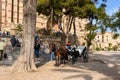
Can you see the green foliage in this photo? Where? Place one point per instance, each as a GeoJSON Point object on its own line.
{"type": "Point", "coordinates": [101, 13]}
{"type": "Point", "coordinates": [102, 49]}
{"type": "Point", "coordinates": [77, 8]}
{"type": "Point", "coordinates": [74, 8]}
{"type": "Point", "coordinates": [19, 30]}
{"type": "Point", "coordinates": [43, 7]}
{"type": "Point", "coordinates": [97, 49]}
{"type": "Point", "coordinates": [44, 31]}
{"type": "Point", "coordinates": [83, 44]}
{"type": "Point", "coordinates": [115, 36]}
{"type": "Point", "coordinates": [103, 24]}
{"type": "Point", "coordinates": [115, 21]}
{"type": "Point", "coordinates": [57, 34]}
{"type": "Point", "coordinates": [19, 27]}
{"type": "Point", "coordinates": [115, 48]}
{"type": "Point", "coordinates": [109, 48]}
{"type": "Point", "coordinates": [39, 31]}
{"type": "Point", "coordinates": [118, 19]}
{"type": "Point", "coordinates": [43, 2]}
{"type": "Point", "coordinates": [80, 8]}
{"type": "Point", "coordinates": [91, 33]}
{"type": "Point", "coordinates": [110, 44]}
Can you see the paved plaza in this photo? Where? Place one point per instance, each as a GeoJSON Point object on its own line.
{"type": "Point", "coordinates": [101, 66]}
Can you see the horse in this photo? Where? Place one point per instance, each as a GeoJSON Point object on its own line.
{"type": "Point", "coordinates": [61, 56]}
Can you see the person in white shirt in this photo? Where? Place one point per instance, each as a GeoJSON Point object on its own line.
{"type": "Point", "coordinates": [2, 48]}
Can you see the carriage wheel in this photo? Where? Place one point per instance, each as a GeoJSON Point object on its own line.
{"type": "Point", "coordinates": [73, 59]}
{"type": "Point", "coordinates": [85, 57]}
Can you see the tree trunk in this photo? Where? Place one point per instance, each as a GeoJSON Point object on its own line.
{"type": "Point", "coordinates": [25, 61]}
{"type": "Point", "coordinates": [69, 28]}
{"type": "Point", "coordinates": [51, 18]}
{"type": "Point", "coordinates": [74, 27]}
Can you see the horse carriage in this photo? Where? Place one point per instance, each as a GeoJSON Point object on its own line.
{"type": "Point", "coordinates": [78, 52]}
{"type": "Point", "coordinates": [62, 55]}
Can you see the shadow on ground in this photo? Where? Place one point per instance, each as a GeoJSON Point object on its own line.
{"type": "Point", "coordinates": [12, 56]}
{"type": "Point", "coordinates": [41, 60]}
{"type": "Point", "coordinates": [108, 66]}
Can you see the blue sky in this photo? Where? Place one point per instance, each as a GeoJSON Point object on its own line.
{"type": "Point", "coordinates": [112, 6]}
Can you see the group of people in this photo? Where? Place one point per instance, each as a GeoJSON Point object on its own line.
{"type": "Point", "coordinates": [37, 47]}
{"type": "Point", "coordinates": [4, 34]}
{"type": "Point", "coordinates": [3, 44]}
{"type": "Point", "coordinates": [52, 48]}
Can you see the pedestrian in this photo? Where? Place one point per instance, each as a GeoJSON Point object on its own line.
{"type": "Point", "coordinates": [68, 45]}
{"type": "Point", "coordinates": [37, 48]}
{"type": "Point", "coordinates": [36, 37]}
{"type": "Point", "coordinates": [2, 48]}
{"type": "Point", "coordinates": [13, 42]}
{"type": "Point", "coordinates": [52, 51]}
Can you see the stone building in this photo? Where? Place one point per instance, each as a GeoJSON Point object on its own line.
{"type": "Point", "coordinates": [107, 41]}
{"type": "Point", "coordinates": [11, 14]}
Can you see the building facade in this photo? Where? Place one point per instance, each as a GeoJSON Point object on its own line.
{"type": "Point", "coordinates": [106, 41]}
{"type": "Point", "coordinates": [11, 14]}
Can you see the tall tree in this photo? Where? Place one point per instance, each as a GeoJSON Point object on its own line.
{"type": "Point", "coordinates": [103, 25]}
{"type": "Point", "coordinates": [114, 24]}
{"type": "Point", "coordinates": [70, 9]}
{"type": "Point", "coordinates": [65, 12]}
{"type": "Point", "coordinates": [99, 16]}
{"type": "Point", "coordinates": [103, 19]}
{"type": "Point", "coordinates": [115, 21]}
{"type": "Point", "coordinates": [91, 35]}
{"type": "Point", "coordinates": [25, 61]}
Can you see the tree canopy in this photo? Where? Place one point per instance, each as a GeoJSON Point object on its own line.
{"type": "Point", "coordinates": [115, 21]}
{"type": "Point", "coordinates": [74, 8]}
